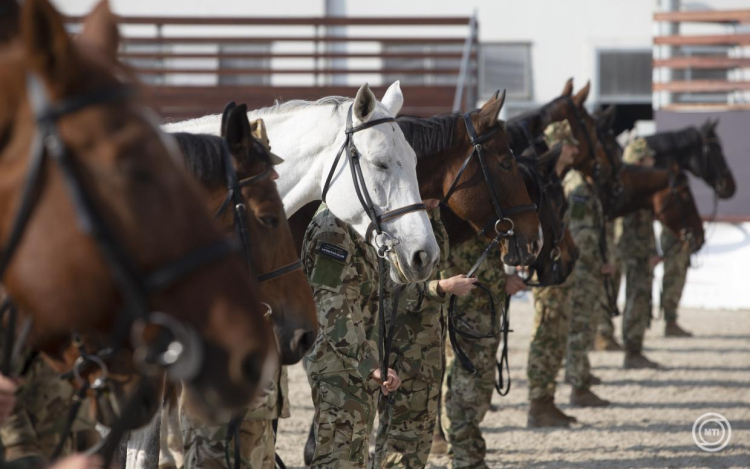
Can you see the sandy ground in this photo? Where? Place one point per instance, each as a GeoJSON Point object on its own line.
{"type": "Point", "coordinates": [649, 424]}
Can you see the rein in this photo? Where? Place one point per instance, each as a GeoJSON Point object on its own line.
{"type": "Point", "coordinates": [180, 355]}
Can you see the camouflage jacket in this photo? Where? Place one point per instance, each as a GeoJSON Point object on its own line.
{"type": "Point", "coordinates": [274, 403]}
{"type": "Point", "coordinates": [418, 335]}
{"type": "Point", "coordinates": [342, 270]}
{"type": "Point", "coordinates": [586, 220]}
{"type": "Point", "coordinates": [635, 236]}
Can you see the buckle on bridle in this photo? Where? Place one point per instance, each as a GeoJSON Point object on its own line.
{"type": "Point", "coordinates": [386, 245]}
{"type": "Point", "coordinates": [510, 232]}
{"type": "Point", "coordinates": [269, 309]}
{"type": "Point", "coordinates": [555, 254]}
{"type": "Point", "coordinates": [84, 360]}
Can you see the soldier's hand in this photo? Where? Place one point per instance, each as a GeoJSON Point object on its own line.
{"type": "Point", "coordinates": [7, 397]}
{"type": "Point", "coordinates": [607, 269]}
{"type": "Point", "coordinates": [514, 284]}
{"type": "Point", "coordinates": [459, 285]}
{"type": "Point", "coordinates": [79, 462]}
{"type": "Point", "coordinates": [391, 384]}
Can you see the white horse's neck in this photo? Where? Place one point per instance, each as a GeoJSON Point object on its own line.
{"type": "Point", "coordinates": [307, 138]}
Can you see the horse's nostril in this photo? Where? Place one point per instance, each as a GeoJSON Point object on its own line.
{"type": "Point", "coordinates": [303, 340]}
{"type": "Point", "coordinates": [420, 259]}
{"type": "Point", "coordinates": [252, 367]}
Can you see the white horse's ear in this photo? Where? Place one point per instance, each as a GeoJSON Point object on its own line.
{"type": "Point", "coordinates": [364, 103]}
{"type": "Point", "coordinates": [393, 98]}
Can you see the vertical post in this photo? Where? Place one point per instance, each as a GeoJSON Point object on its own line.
{"type": "Point", "coordinates": [465, 57]}
{"type": "Point", "coordinates": [336, 8]}
{"type": "Point", "coordinates": [664, 74]}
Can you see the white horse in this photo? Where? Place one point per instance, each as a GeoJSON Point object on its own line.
{"type": "Point", "coordinates": [309, 134]}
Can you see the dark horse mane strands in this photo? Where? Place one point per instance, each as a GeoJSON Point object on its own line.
{"type": "Point", "coordinates": [535, 122]}
{"type": "Point", "coordinates": [667, 143]}
{"type": "Point", "coordinates": [203, 158]}
{"type": "Point", "coordinates": [429, 135]}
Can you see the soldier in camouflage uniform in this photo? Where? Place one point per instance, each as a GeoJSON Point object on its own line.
{"type": "Point", "coordinates": [552, 307]}
{"type": "Point", "coordinates": [466, 397]}
{"type": "Point", "coordinates": [342, 367]}
{"type": "Point", "coordinates": [676, 263]}
{"type": "Point", "coordinates": [637, 246]}
{"type": "Point", "coordinates": [406, 426]}
{"type": "Point", "coordinates": [33, 430]}
{"type": "Point", "coordinates": [586, 282]}
{"type": "Point", "coordinates": [605, 335]}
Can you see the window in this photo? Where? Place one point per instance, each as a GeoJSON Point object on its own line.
{"type": "Point", "coordinates": [245, 63]}
{"type": "Point", "coordinates": [506, 66]}
{"type": "Point", "coordinates": [625, 76]}
{"type": "Point", "coordinates": [426, 63]}
{"type": "Point", "coordinates": [701, 74]}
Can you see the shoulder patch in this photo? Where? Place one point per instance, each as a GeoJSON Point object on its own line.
{"type": "Point", "coordinates": [332, 251]}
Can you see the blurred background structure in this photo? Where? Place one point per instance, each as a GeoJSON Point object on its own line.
{"type": "Point", "coordinates": [666, 64]}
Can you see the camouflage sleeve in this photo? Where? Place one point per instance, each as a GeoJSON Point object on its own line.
{"type": "Point", "coordinates": [637, 239]}
{"type": "Point", "coordinates": [431, 292]}
{"type": "Point", "coordinates": [584, 226]}
{"type": "Point", "coordinates": [330, 261]}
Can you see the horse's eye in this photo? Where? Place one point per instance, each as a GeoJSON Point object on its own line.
{"type": "Point", "coordinates": [506, 165]}
{"type": "Point", "coordinates": [380, 165]}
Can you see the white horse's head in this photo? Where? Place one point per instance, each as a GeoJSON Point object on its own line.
{"type": "Point", "coordinates": [389, 166]}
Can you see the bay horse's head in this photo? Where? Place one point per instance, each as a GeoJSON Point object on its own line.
{"type": "Point", "coordinates": [713, 166]}
{"type": "Point", "coordinates": [592, 160]}
{"type": "Point", "coordinates": [113, 207]}
{"type": "Point", "coordinates": [256, 216]}
{"type": "Point", "coordinates": [676, 209]}
{"type": "Point", "coordinates": [472, 199]}
{"type": "Point", "coordinates": [559, 253]}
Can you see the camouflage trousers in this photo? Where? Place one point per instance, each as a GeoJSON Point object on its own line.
{"type": "Point", "coordinates": [34, 429]}
{"type": "Point", "coordinates": [549, 337]}
{"type": "Point", "coordinates": [209, 446]}
{"type": "Point", "coordinates": [605, 325]}
{"type": "Point", "coordinates": [466, 397]}
{"type": "Point", "coordinates": [345, 410]}
{"type": "Point", "coordinates": [588, 299]}
{"type": "Point", "coordinates": [637, 315]}
{"type": "Point", "coordinates": [676, 264]}
{"type": "Point", "coordinates": [406, 426]}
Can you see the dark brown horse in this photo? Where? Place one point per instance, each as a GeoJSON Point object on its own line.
{"type": "Point", "coordinates": [111, 207]}
{"type": "Point", "coordinates": [665, 191]}
{"type": "Point", "coordinates": [442, 145]}
{"type": "Point", "coordinates": [269, 238]}
{"type": "Point", "coordinates": [698, 150]}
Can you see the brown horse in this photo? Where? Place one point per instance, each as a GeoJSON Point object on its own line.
{"type": "Point", "coordinates": [268, 236]}
{"type": "Point", "coordinates": [665, 192]}
{"type": "Point", "coordinates": [111, 207]}
{"type": "Point", "coordinates": [592, 160]}
{"type": "Point", "coordinates": [442, 145]}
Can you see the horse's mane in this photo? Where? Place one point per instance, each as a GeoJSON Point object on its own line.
{"type": "Point", "coordinates": [676, 141]}
{"type": "Point", "coordinates": [203, 157]}
{"type": "Point", "coordinates": [534, 120]}
{"type": "Point", "coordinates": [280, 107]}
{"type": "Point", "coordinates": [429, 135]}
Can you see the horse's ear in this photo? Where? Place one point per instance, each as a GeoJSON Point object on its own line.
{"type": "Point", "coordinates": [49, 49]}
{"type": "Point", "coordinates": [489, 114]}
{"type": "Point", "coordinates": [393, 98]}
{"type": "Point", "coordinates": [237, 130]}
{"type": "Point", "coordinates": [100, 29]}
{"type": "Point", "coordinates": [582, 95]}
{"type": "Point", "coordinates": [568, 90]}
{"type": "Point", "coordinates": [10, 16]}
{"type": "Point", "coordinates": [364, 103]}
{"type": "Point", "coordinates": [225, 115]}
{"type": "Point", "coordinates": [715, 124]}
{"type": "Point", "coordinates": [608, 116]}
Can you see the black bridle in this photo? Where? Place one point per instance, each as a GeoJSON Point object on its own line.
{"type": "Point", "coordinates": [384, 245]}
{"type": "Point", "coordinates": [234, 197]}
{"type": "Point", "coordinates": [180, 351]}
{"type": "Point", "coordinates": [454, 316]}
